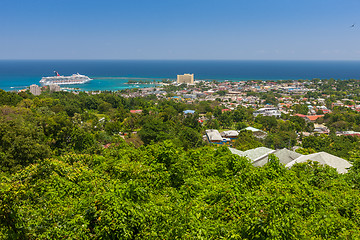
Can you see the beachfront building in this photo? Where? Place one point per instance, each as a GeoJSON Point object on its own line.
{"type": "Point", "coordinates": [185, 78]}
{"type": "Point", "coordinates": [35, 89]}
{"type": "Point", "coordinates": [54, 88]}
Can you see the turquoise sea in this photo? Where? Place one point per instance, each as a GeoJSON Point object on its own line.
{"type": "Point", "coordinates": [113, 74]}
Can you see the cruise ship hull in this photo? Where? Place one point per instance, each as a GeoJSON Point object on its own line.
{"type": "Point", "coordinates": [65, 80]}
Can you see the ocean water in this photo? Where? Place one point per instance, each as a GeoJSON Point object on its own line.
{"type": "Point", "coordinates": [113, 74]}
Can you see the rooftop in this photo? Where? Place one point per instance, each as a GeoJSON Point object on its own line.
{"type": "Point", "coordinates": [213, 135]}
{"type": "Point", "coordinates": [284, 155]}
{"type": "Point", "coordinates": [341, 165]}
{"type": "Point", "coordinates": [252, 154]}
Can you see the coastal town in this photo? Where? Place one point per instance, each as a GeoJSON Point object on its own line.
{"type": "Point", "coordinates": [201, 141]}
{"type": "Point", "coordinates": [180, 120]}
{"type": "Point", "coordinates": [286, 96]}
{"type": "Point", "coordinates": [308, 100]}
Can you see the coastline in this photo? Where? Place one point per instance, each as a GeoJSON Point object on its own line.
{"type": "Point", "coordinates": [113, 74]}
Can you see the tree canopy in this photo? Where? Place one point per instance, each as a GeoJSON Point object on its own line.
{"type": "Point", "coordinates": [84, 166]}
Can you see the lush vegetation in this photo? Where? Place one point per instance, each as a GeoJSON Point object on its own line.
{"type": "Point", "coordinates": [162, 191]}
{"type": "Point", "coordinates": [84, 167]}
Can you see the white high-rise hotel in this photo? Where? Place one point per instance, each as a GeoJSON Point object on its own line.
{"type": "Point", "coordinates": [186, 78]}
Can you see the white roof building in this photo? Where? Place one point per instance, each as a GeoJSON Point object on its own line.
{"type": "Point", "coordinates": [284, 155]}
{"type": "Point", "coordinates": [268, 112]}
{"type": "Point", "coordinates": [252, 154]}
{"type": "Point", "coordinates": [230, 134]}
{"type": "Point", "coordinates": [256, 132]}
{"type": "Point", "coordinates": [213, 135]}
{"type": "Point", "coordinates": [259, 157]}
{"type": "Point", "coordinates": [235, 151]}
{"type": "Point", "coordinates": [341, 165]}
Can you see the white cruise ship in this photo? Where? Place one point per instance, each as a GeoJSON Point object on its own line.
{"type": "Point", "coordinates": [65, 80]}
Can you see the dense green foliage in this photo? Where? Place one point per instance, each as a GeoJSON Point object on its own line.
{"type": "Point", "coordinates": [246, 141]}
{"type": "Point", "coordinates": [162, 191]}
{"type": "Point", "coordinates": [338, 145]}
{"type": "Point", "coordinates": [84, 167]}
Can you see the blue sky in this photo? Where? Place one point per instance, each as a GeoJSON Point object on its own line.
{"type": "Point", "coordinates": [186, 29]}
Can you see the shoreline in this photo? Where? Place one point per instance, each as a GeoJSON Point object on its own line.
{"type": "Point", "coordinates": [118, 83]}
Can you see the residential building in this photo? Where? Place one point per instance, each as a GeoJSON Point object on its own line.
{"type": "Point", "coordinates": [312, 118]}
{"type": "Point", "coordinates": [256, 132]}
{"type": "Point", "coordinates": [268, 112]}
{"type": "Point", "coordinates": [348, 133]}
{"type": "Point", "coordinates": [309, 118]}
{"type": "Point", "coordinates": [189, 112]}
{"type": "Point", "coordinates": [136, 111]}
{"type": "Point", "coordinates": [213, 136]}
{"type": "Point", "coordinates": [189, 96]}
{"type": "Point", "coordinates": [252, 154]}
{"type": "Point", "coordinates": [284, 155]}
{"type": "Point", "coordinates": [231, 134]}
{"type": "Point", "coordinates": [321, 129]}
{"type": "Point", "coordinates": [323, 158]}
{"type": "Point", "coordinates": [259, 157]}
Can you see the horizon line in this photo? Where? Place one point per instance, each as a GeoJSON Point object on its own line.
{"type": "Point", "coordinates": [113, 59]}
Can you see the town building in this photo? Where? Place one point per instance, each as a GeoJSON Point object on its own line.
{"type": "Point", "coordinates": [189, 112]}
{"type": "Point", "coordinates": [284, 155]}
{"type": "Point", "coordinates": [136, 111]}
{"type": "Point", "coordinates": [252, 154]}
{"type": "Point", "coordinates": [268, 112]}
{"type": "Point", "coordinates": [256, 132]}
{"type": "Point", "coordinates": [312, 118]}
{"type": "Point", "coordinates": [348, 133]}
{"type": "Point", "coordinates": [231, 134]}
{"type": "Point", "coordinates": [260, 156]}
{"type": "Point", "coordinates": [213, 136]}
{"type": "Point", "coordinates": [321, 129]}
{"type": "Point", "coordinates": [309, 118]}
{"type": "Point", "coordinates": [185, 78]}
{"type": "Point", "coordinates": [35, 89]}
